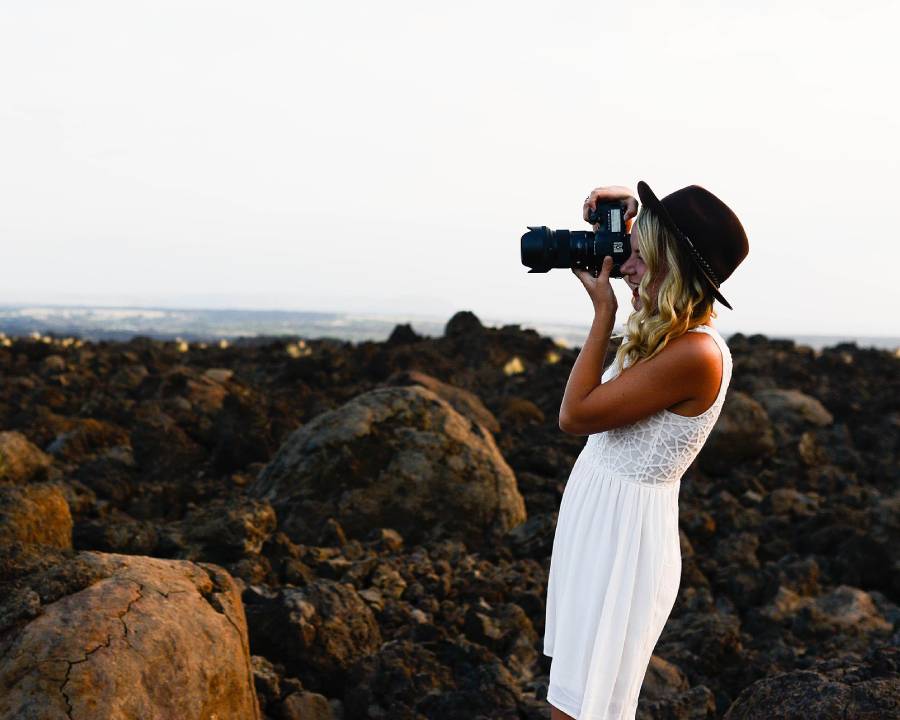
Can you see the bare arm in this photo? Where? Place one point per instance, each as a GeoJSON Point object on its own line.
{"type": "Point", "coordinates": [686, 369]}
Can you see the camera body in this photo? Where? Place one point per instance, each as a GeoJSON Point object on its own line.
{"type": "Point", "coordinates": [543, 248]}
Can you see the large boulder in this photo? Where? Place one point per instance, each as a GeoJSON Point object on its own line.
{"type": "Point", "coordinates": [147, 638]}
{"type": "Point", "coordinates": [399, 457]}
{"type": "Point", "coordinates": [463, 401]}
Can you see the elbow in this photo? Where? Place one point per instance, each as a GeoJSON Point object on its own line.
{"type": "Point", "coordinates": [565, 424]}
{"type": "Point", "coordinates": [586, 426]}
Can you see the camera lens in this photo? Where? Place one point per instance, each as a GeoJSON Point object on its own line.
{"type": "Point", "coordinates": [543, 249]}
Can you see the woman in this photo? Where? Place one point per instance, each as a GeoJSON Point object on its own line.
{"type": "Point", "coordinates": [616, 562]}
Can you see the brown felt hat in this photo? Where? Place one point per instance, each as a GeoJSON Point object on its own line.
{"type": "Point", "coordinates": [706, 226]}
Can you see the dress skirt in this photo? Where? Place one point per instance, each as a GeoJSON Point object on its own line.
{"type": "Point", "coordinates": [614, 577]}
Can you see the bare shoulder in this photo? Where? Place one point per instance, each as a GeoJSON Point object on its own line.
{"type": "Point", "coordinates": [697, 347]}
{"type": "Point", "coordinates": [698, 354]}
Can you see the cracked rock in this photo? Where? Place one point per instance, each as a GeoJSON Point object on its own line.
{"type": "Point", "coordinates": [149, 638]}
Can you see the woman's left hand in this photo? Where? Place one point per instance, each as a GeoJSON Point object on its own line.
{"type": "Point", "coordinates": [599, 288]}
{"type": "Point", "coordinates": [611, 192]}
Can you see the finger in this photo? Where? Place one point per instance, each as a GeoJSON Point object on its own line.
{"type": "Point", "coordinates": [584, 276]}
{"type": "Point", "coordinates": [610, 192]}
{"type": "Point", "coordinates": [606, 269]}
{"type": "Point", "coordinates": [631, 208]}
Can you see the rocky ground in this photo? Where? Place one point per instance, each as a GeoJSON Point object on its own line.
{"type": "Point", "coordinates": [316, 529]}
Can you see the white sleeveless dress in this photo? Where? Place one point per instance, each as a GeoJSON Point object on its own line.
{"type": "Point", "coordinates": [615, 568]}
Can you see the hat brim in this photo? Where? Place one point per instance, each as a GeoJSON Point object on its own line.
{"type": "Point", "coordinates": [649, 199]}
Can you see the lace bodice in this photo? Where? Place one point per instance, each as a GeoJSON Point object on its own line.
{"type": "Point", "coordinates": [657, 449]}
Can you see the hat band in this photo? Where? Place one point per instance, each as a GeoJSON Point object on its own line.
{"type": "Point", "coordinates": [702, 260]}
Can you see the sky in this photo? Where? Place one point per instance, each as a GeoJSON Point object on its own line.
{"type": "Point", "coordinates": [386, 157]}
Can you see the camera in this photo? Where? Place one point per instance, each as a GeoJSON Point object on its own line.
{"type": "Point", "coordinates": [543, 248]}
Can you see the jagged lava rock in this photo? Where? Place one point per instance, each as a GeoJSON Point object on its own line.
{"type": "Point", "coordinates": [318, 631]}
{"type": "Point", "coordinates": [36, 514]}
{"type": "Point", "coordinates": [835, 689]}
{"type": "Point", "coordinates": [20, 460]}
{"type": "Point", "coordinates": [393, 457]}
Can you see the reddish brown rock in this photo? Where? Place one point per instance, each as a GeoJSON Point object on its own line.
{"type": "Point", "coordinates": [20, 460]}
{"type": "Point", "coordinates": [35, 514]}
{"type": "Point", "coordinates": [151, 639]}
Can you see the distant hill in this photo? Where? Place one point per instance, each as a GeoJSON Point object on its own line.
{"type": "Point", "coordinates": [198, 325]}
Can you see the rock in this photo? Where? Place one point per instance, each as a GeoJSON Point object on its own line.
{"type": "Point", "coordinates": [832, 690]}
{"type": "Point", "coordinates": [794, 409]}
{"type": "Point", "coordinates": [520, 412]}
{"type": "Point", "coordinates": [240, 434]}
{"type": "Point", "coordinates": [849, 608]}
{"type": "Point", "coordinates": [385, 540]}
{"type": "Point", "coordinates": [403, 334]}
{"type": "Point", "coordinates": [128, 377]}
{"type": "Point", "coordinates": [786, 604]}
{"type": "Point", "coordinates": [305, 706]}
{"type": "Point", "coordinates": [117, 532]}
{"type": "Point", "coordinates": [162, 449]}
{"type": "Point", "coordinates": [317, 631]}
{"type": "Point", "coordinates": [201, 393]}
{"type": "Point", "coordinates": [393, 457]}
{"type": "Point", "coordinates": [463, 401]}
{"type": "Point", "coordinates": [799, 574]}
{"type": "Point", "coordinates": [702, 641]}
{"type": "Point", "coordinates": [845, 613]}
{"type": "Point", "coordinates": [35, 575]}
{"type": "Point", "coordinates": [662, 679]}
{"type": "Point", "coordinates": [463, 323]}
{"type": "Point", "coordinates": [82, 437]}
{"type": "Point", "coordinates": [696, 703]}
{"type": "Point", "coordinates": [738, 550]}
{"type": "Point", "coordinates": [388, 581]}
{"type": "Point", "coordinates": [112, 474]}
{"type": "Point", "coordinates": [742, 432]}
{"type": "Point", "coordinates": [505, 630]}
{"type": "Point", "coordinates": [151, 638]}
{"type": "Point", "coordinates": [219, 375]}
{"type": "Point", "coordinates": [787, 501]}
{"type": "Point", "coordinates": [52, 365]}
{"type": "Point", "coordinates": [20, 461]}
{"type": "Point", "coordinates": [35, 514]}
{"type": "Point", "coordinates": [440, 679]}
{"type": "Point", "coordinates": [266, 682]}
{"type": "Point", "coordinates": [534, 537]}
{"type": "Point", "coordinates": [225, 531]}
{"type": "Point", "coordinates": [372, 679]}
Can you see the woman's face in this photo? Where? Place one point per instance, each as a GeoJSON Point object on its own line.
{"type": "Point", "coordinates": [633, 271]}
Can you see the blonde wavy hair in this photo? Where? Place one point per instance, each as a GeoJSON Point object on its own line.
{"type": "Point", "coordinates": [684, 299]}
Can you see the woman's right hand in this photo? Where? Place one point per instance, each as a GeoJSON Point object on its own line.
{"type": "Point", "coordinates": [612, 192]}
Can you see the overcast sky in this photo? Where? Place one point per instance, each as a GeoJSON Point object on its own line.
{"type": "Point", "coordinates": [386, 157]}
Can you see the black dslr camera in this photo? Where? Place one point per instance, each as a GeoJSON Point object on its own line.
{"type": "Point", "coordinates": [543, 248]}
